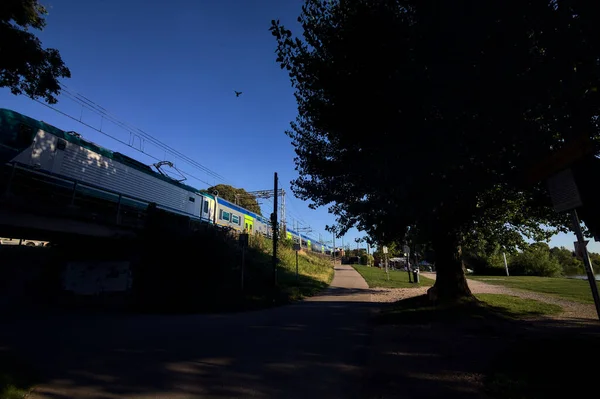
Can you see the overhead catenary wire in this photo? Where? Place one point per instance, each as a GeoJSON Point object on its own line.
{"type": "Point", "coordinates": [86, 102]}
{"type": "Point", "coordinates": [116, 139]}
{"type": "Point", "coordinates": [105, 114]}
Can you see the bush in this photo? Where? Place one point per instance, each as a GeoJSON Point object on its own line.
{"type": "Point", "coordinates": [366, 259]}
{"type": "Point", "coordinates": [488, 264]}
{"type": "Point", "coordinates": [535, 262]}
{"type": "Point", "coordinates": [570, 264]}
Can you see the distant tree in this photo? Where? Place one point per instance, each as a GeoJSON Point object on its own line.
{"type": "Point", "coordinates": [429, 114]}
{"type": "Point", "coordinates": [595, 258]}
{"type": "Point", "coordinates": [567, 260]}
{"type": "Point", "coordinates": [484, 257]}
{"type": "Point", "coordinates": [25, 67]}
{"type": "Point", "coordinates": [535, 260]}
{"type": "Point", "coordinates": [244, 199]}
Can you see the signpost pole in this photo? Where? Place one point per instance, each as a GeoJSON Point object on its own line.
{"type": "Point", "coordinates": [586, 260]}
{"type": "Point", "coordinates": [387, 272]}
{"type": "Point", "coordinates": [407, 252]}
{"type": "Point", "coordinates": [565, 197]}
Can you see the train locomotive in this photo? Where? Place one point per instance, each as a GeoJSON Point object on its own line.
{"type": "Point", "coordinates": [37, 145]}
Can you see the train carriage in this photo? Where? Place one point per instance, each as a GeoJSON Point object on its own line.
{"type": "Point", "coordinates": [44, 148]}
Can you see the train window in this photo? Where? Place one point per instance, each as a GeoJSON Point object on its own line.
{"type": "Point", "coordinates": [192, 199]}
{"type": "Point", "coordinates": [235, 219]}
{"type": "Point", "coordinates": [205, 206]}
{"type": "Point", "coordinates": [225, 215]}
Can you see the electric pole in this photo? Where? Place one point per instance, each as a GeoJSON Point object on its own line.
{"type": "Point", "coordinates": [275, 232]}
{"type": "Point", "coordinates": [334, 249]}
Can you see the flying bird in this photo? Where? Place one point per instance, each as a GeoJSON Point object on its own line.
{"type": "Point", "coordinates": [237, 93]}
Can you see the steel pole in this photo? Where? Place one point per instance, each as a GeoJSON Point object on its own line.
{"type": "Point", "coordinates": [586, 260]}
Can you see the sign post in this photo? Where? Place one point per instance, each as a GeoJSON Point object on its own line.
{"type": "Point", "coordinates": [565, 197]}
{"type": "Point", "coordinates": [297, 248]}
{"type": "Point", "coordinates": [406, 250]}
{"type": "Point", "coordinates": [243, 240]}
{"type": "Point", "coordinates": [385, 252]}
{"type": "Point", "coordinates": [582, 249]}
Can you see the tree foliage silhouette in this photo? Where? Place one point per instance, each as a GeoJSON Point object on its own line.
{"type": "Point", "coordinates": [25, 67]}
{"type": "Point", "coordinates": [427, 114]}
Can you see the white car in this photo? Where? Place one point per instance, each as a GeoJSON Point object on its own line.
{"type": "Point", "coordinates": [19, 241]}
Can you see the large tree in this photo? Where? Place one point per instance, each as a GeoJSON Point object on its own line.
{"type": "Point", "coordinates": [428, 114]}
{"type": "Point", "coordinates": [237, 196]}
{"type": "Point", "coordinates": [26, 67]}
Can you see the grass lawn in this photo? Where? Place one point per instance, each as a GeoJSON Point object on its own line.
{"type": "Point", "coordinates": [314, 273]}
{"type": "Point", "coordinates": [16, 378]}
{"type": "Point", "coordinates": [499, 306]}
{"type": "Point", "coordinates": [377, 277]}
{"type": "Point", "coordinates": [571, 289]}
{"type": "Point", "coordinates": [513, 306]}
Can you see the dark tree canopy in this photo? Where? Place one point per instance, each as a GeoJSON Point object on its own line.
{"type": "Point", "coordinates": [25, 67]}
{"type": "Point", "coordinates": [230, 193]}
{"type": "Point", "coordinates": [427, 114]}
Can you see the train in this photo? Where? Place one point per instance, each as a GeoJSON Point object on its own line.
{"type": "Point", "coordinates": [42, 147]}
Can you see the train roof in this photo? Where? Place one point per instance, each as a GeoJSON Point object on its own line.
{"type": "Point", "coordinates": [79, 140]}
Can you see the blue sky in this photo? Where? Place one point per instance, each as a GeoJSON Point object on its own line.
{"type": "Point", "coordinates": [171, 69]}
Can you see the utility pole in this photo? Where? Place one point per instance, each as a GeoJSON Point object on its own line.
{"type": "Point", "coordinates": [275, 232]}
{"type": "Point", "coordinates": [334, 249]}
{"type": "Point", "coordinates": [280, 205]}
{"type": "Point", "coordinates": [586, 260]}
{"type": "Point", "coordinates": [216, 193]}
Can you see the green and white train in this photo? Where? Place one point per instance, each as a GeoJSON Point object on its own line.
{"type": "Point", "coordinates": [42, 147]}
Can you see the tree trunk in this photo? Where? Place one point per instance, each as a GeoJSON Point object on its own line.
{"type": "Point", "coordinates": [451, 284]}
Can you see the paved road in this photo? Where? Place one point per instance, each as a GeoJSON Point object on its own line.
{"type": "Point", "coordinates": [313, 349]}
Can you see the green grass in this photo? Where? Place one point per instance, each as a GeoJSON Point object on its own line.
{"type": "Point", "coordinates": [376, 277]}
{"type": "Point", "coordinates": [516, 307]}
{"type": "Point", "coordinates": [16, 379]}
{"type": "Point", "coordinates": [571, 289]}
{"type": "Point", "coordinates": [315, 273]}
{"type": "Point", "coordinates": [483, 306]}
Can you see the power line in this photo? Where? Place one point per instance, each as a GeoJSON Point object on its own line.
{"type": "Point", "coordinates": [85, 102]}
{"type": "Point", "coordinates": [114, 138]}
{"type": "Point", "coordinates": [99, 110]}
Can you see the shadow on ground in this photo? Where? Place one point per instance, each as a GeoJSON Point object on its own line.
{"type": "Point", "coordinates": [477, 353]}
{"type": "Point", "coordinates": [315, 348]}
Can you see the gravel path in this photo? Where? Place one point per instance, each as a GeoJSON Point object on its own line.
{"type": "Point", "coordinates": [571, 310]}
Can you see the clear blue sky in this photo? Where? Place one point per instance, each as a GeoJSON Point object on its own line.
{"type": "Point", "coordinates": [171, 69]}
